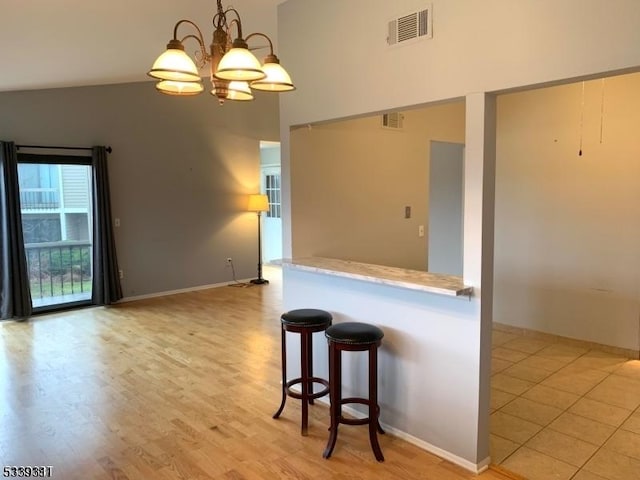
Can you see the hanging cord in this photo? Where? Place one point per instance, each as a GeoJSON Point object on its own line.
{"type": "Point", "coordinates": [581, 120]}
{"type": "Point", "coordinates": [236, 283]}
{"type": "Point", "coordinates": [602, 111]}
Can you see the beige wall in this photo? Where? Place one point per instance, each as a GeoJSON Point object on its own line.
{"type": "Point", "coordinates": [567, 226]}
{"type": "Point", "coordinates": [354, 179]}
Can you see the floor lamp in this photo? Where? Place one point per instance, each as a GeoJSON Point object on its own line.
{"type": "Point", "coordinates": [259, 203]}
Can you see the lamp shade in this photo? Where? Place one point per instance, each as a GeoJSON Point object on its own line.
{"type": "Point", "coordinates": [258, 203]}
{"type": "Point", "coordinates": [239, 64]}
{"type": "Point", "coordinates": [277, 79]}
{"type": "Point", "coordinates": [175, 65]}
{"type": "Point", "coordinates": [171, 87]}
{"type": "Point", "coordinates": [239, 91]}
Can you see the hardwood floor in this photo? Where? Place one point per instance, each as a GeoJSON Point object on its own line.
{"type": "Point", "coordinates": [180, 387]}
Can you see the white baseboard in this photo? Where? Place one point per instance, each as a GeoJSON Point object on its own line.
{"type": "Point", "coordinates": [461, 462]}
{"type": "Point", "coordinates": [181, 290]}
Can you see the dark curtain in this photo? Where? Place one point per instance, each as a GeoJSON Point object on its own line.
{"type": "Point", "coordinates": [15, 296]}
{"type": "Point", "coordinates": [106, 280]}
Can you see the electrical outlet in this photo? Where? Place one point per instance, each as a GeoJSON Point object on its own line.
{"type": "Point", "coordinates": [121, 273]}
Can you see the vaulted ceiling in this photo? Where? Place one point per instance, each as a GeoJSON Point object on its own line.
{"type": "Point", "coordinates": [62, 43]}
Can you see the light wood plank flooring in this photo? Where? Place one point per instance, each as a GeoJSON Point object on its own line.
{"type": "Point", "coordinates": [180, 387]}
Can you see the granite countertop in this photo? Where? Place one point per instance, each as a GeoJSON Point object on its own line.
{"type": "Point", "coordinates": [398, 277]}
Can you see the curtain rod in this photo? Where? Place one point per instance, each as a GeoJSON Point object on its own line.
{"type": "Point", "coordinates": [109, 149]}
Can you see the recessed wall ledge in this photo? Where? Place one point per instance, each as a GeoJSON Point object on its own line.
{"type": "Point", "coordinates": [450, 285]}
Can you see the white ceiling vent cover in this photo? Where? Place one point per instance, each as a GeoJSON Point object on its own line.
{"type": "Point", "coordinates": [410, 27]}
{"type": "Point", "coordinates": [393, 121]}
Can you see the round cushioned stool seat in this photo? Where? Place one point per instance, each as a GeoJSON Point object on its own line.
{"type": "Point", "coordinates": [307, 317]}
{"type": "Point", "coordinates": [354, 333]}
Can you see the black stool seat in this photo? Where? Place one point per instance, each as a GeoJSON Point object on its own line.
{"type": "Point", "coordinates": [307, 317]}
{"type": "Point", "coordinates": [305, 321]}
{"type": "Point", "coordinates": [354, 333]}
{"type": "Point", "coordinates": [353, 337]}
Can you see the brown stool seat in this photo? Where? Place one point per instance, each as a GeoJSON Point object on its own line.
{"type": "Point", "coordinates": [305, 321]}
{"type": "Point", "coordinates": [353, 337]}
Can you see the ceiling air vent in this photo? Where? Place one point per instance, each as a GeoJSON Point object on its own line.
{"type": "Point", "coordinates": [414, 26]}
{"type": "Point", "coordinates": [392, 121]}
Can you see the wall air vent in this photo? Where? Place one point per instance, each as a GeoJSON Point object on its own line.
{"type": "Point", "coordinates": [393, 121]}
{"type": "Point", "coordinates": [414, 26]}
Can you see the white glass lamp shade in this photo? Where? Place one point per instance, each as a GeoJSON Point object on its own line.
{"type": "Point", "coordinates": [171, 87]}
{"type": "Point", "coordinates": [239, 91]}
{"type": "Point", "coordinates": [239, 64]}
{"type": "Point", "coordinates": [258, 203]}
{"type": "Point", "coordinates": [277, 79]}
{"type": "Point", "coordinates": [175, 65]}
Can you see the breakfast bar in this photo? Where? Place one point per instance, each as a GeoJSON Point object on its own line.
{"type": "Point", "coordinates": [429, 361]}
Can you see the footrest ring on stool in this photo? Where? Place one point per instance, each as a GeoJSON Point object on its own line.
{"type": "Point", "coordinates": [359, 421]}
{"type": "Point", "coordinates": [298, 381]}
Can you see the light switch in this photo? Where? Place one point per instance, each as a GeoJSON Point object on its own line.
{"type": "Point", "coordinates": [421, 231]}
{"type": "Point", "coordinates": [116, 222]}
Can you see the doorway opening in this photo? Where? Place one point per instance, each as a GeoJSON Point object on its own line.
{"type": "Point", "coordinates": [446, 200]}
{"type": "Point", "coordinates": [270, 185]}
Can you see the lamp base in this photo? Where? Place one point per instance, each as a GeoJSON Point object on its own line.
{"type": "Point", "coordinates": [259, 281]}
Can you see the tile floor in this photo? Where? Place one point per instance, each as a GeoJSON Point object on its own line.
{"type": "Point", "coordinates": [563, 412]}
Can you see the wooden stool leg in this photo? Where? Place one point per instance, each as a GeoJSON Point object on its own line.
{"type": "Point", "coordinates": [335, 387]}
{"type": "Point", "coordinates": [304, 368]}
{"type": "Point", "coordinates": [380, 430]}
{"type": "Point", "coordinates": [283, 347]}
{"type": "Point", "coordinates": [310, 364]}
{"type": "Point", "coordinates": [374, 411]}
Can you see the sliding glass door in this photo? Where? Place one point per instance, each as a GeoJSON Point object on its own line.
{"type": "Point", "coordinates": [56, 208]}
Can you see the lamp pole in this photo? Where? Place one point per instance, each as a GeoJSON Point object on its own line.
{"type": "Point", "coordinates": [259, 280]}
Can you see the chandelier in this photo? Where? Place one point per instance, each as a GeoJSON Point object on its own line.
{"type": "Point", "coordinates": [234, 70]}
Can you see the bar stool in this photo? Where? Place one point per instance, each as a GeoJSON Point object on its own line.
{"type": "Point", "coordinates": [306, 322]}
{"type": "Point", "coordinates": [353, 337]}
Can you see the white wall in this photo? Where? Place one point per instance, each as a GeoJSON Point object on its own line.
{"type": "Point", "coordinates": [337, 55]}
{"type": "Point", "coordinates": [568, 226]}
